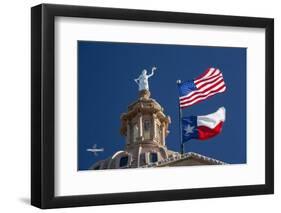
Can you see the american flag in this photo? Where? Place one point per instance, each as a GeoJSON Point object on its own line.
{"type": "Point", "coordinates": [206, 85]}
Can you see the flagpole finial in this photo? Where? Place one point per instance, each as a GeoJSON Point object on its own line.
{"type": "Point", "coordinates": [178, 81]}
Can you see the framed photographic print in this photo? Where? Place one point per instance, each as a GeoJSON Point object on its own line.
{"type": "Point", "coordinates": [140, 106]}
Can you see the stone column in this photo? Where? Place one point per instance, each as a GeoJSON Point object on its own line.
{"type": "Point", "coordinates": [163, 135]}
{"type": "Point", "coordinates": [140, 125]}
{"type": "Point", "coordinates": [154, 126]}
{"type": "Point", "coordinates": [138, 157]}
{"type": "Point", "coordinates": [128, 133]}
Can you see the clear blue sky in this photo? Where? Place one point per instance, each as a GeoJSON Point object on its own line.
{"type": "Point", "coordinates": [106, 87]}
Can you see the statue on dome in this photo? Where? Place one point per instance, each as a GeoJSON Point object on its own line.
{"type": "Point", "coordinates": [142, 80]}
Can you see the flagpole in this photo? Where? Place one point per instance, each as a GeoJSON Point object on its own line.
{"type": "Point", "coordinates": [180, 125]}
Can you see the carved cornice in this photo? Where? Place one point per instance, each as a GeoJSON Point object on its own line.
{"type": "Point", "coordinates": [186, 156]}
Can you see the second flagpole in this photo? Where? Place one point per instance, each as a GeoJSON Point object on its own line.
{"type": "Point", "coordinates": [180, 125]}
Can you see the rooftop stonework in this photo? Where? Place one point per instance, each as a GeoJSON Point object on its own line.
{"type": "Point", "coordinates": [187, 159]}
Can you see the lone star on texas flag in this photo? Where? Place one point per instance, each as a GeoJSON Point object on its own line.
{"type": "Point", "coordinates": [188, 129]}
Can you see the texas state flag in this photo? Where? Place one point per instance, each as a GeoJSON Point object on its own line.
{"type": "Point", "coordinates": [203, 127]}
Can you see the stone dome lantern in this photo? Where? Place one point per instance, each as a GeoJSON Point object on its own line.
{"type": "Point", "coordinates": [145, 127]}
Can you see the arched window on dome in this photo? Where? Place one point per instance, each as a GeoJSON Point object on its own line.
{"type": "Point", "coordinates": [123, 161]}
{"type": "Point", "coordinates": [153, 157]}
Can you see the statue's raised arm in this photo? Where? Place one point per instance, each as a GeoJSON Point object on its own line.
{"type": "Point", "coordinates": [152, 72]}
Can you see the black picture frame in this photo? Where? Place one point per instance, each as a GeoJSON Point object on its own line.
{"type": "Point", "coordinates": [43, 102]}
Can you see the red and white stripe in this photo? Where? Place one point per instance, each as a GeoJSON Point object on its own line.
{"type": "Point", "coordinates": [210, 125]}
{"type": "Point", "coordinates": [208, 84]}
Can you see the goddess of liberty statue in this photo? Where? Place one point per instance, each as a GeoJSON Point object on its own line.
{"type": "Point", "coordinates": [142, 80]}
